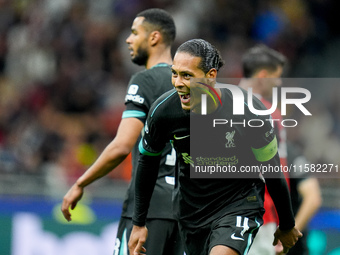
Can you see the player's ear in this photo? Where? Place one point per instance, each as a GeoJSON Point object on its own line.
{"type": "Point", "coordinates": [154, 38]}
{"type": "Point", "coordinates": [212, 73]}
{"type": "Point", "coordinates": [263, 73]}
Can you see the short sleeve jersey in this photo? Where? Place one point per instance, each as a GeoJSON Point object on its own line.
{"type": "Point", "coordinates": [144, 88]}
{"type": "Point", "coordinates": [201, 200]}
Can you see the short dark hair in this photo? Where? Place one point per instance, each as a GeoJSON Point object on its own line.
{"type": "Point", "coordinates": [211, 57]}
{"type": "Point", "coordinates": [261, 57]}
{"type": "Point", "coordinates": [162, 21]}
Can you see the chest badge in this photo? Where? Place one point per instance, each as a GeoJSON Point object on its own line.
{"type": "Point", "coordinates": [230, 139]}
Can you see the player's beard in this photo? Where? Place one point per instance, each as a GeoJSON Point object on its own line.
{"type": "Point", "coordinates": [141, 57]}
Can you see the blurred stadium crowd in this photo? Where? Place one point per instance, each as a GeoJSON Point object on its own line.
{"type": "Point", "coordinates": [64, 67]}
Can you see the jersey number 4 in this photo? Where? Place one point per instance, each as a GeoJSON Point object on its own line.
{"type": "Point", "coordinates": [244, 226]}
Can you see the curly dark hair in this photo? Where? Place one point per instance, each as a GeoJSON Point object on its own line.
{"type": "Point", "coordinates": [211, 57]}
{"type": "Point", "coordinates": [159, 20]}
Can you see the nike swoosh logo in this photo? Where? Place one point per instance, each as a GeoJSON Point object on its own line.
{"type": "Point", "coordinates": [181, 137]}
{"type": "Point", "coordinates": [236, 238]}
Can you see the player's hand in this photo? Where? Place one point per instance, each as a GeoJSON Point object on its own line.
{"type": "Point", "coordinates": [288, 238]}
{"type": "Point", "coordinates": [70, 200]}
{"type": "Point", "coordinates": [279, 248]}
{"type": "Point", "coordinates": [137, 239]}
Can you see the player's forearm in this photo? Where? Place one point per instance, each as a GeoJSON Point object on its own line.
{"type": "Point", "coordinates": [146, 177]}
{"type": "Point", "coordinates": [311, 202]}
{"type": "Point", "coordinates": [110, 158]}
{"type": "Point", "coordinates": [305, 213]}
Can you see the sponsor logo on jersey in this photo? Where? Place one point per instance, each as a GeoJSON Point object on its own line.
{"type": "Point", "coordinates": [187, 159]}
{"type": "Point", "coordinates": [180, 137]}
{"type": "Point", "coordinates": [134, 98]}
{"type": "Point", "coordinates": [236, 238]}
{"type": "Point", "coordinates": [131, 94]}
{"type": "Point", "coordinates": [133, 89]}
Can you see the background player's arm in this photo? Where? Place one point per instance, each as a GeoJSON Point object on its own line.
{"type": "Point", "coordinates": [127, 135]}
{"type": "Point", "coordinates": [309, 189]}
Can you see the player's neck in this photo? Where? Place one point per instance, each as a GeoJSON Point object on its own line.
{"type": "Point", "coordinates": [157, 57]}
{"type": "Point", "coordinates": [247, 83]}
